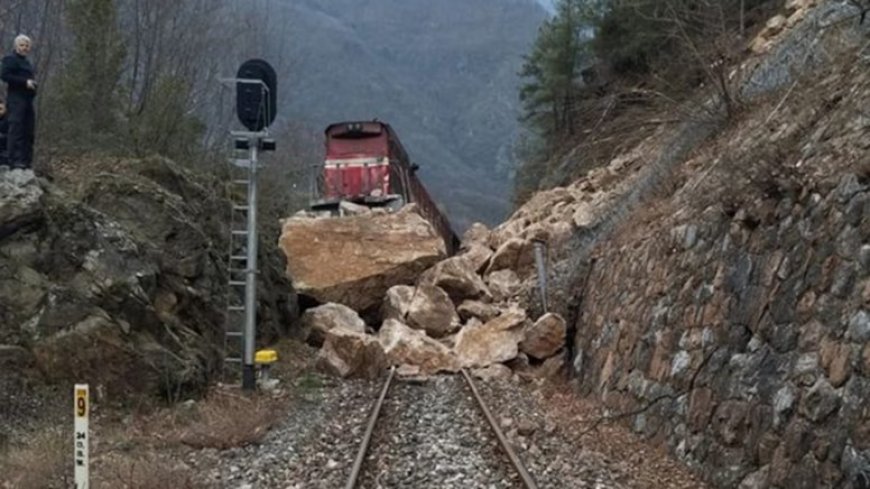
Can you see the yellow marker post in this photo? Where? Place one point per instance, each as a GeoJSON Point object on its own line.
{"type": "Point", "coordinates": [264, 359]}
{"type": "Point", "coordinates": [81, 412]}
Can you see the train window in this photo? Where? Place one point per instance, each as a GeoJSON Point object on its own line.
{"type": "Point", "coordinates": [356, 130]}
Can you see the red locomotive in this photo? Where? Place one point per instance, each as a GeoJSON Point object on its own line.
{"type": "Point", "coordinates": [366, 164]}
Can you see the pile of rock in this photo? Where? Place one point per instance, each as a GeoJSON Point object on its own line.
{"type": "Point", "coordinates": [556, 215]}
{"type": "Point", "coordinates": [793, 12]}
{"type": "Point", "coordinates": [427, 310]}
{"type": "Point", "coordinates": [461, 312]}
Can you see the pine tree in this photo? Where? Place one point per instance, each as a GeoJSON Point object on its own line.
{"type": "Point", "coordinates": [553, 70]}
{"type": "Point", "coordinates": [552, 81]}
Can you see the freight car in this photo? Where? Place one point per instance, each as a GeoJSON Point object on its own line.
{"type": "Point", "coordinates": [366, 164]}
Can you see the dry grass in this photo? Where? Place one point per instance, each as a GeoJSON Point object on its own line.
{"type": "Point", "coordinates": [148, 446]}
{"type": "Point", "coordinates": [45, 462]}
{"type": "Point", "coordinates": [143, 451]}
{"type": "Point", "coordinates": [144, 472]}
{"type": "Point", "coordinates": [229, 419]}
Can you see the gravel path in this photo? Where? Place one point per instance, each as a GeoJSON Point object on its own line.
{"type": "Point", "coordinates": [432, 435]}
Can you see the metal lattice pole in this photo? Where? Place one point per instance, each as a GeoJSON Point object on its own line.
{"type": "Point", "coordinates": [256, 115]}
{"type": "Point", "coordinates": [248, 371]}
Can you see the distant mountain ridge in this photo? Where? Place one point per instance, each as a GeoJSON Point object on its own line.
{"type": "Point", "coordinates": [443, 73]}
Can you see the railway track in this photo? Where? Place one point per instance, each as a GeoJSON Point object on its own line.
{"type": "Point", "coordinates": [425, 435]}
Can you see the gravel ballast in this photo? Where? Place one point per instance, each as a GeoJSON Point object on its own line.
{"type": "Point", "coordinates": [431, 434]}
{"type": "Point", "coordinates": [312, 448]}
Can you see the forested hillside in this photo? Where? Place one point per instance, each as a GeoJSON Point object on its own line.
{"type": "Point", "coordinates": [443, 73]}
{"type": "Point", "coordinates": [131, 77]}
{"type": "Point", "coordinates": [604, 74]}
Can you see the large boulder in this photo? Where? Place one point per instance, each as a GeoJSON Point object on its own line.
{"type": "Point", "coordinates": [406, 346]}
{"type": "Point", "coordinates": [426, 307]}
{"type": "Point", "coordinates": [545, 337]}
{"type": "Point", "coordinates": [354, 260]}
{"type": "Point", "coordinates": [351, 354]}
{"type": "Point", "coordinates": [457, 277]}
{"type": "Point", "coordinates": [316, 322]}
{"type": "Point", "coordinates": [496, 341]}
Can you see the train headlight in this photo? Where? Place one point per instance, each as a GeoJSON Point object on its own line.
{"type": "Point", "coordinates": [376, 192]}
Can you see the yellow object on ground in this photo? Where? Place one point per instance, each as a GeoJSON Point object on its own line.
{"type": "Point", "coordinates": [265, 356]}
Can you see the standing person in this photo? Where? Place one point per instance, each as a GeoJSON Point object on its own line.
{"type": "Point", "coordinates": [4, 130]}
{"type": "Point", "coordinates": [18, 74]}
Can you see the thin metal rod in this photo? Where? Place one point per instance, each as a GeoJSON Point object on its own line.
{"type": "Point", "coordinates": [244, 81]}
{"type": "Point", "coordinates": [248, 380]}
{"type": "Point", "coordinates": [515, 460]}
{"type": "Point", "coordinates": [367, 437]}
{"type": "Point", "coordinates": [540, 254]}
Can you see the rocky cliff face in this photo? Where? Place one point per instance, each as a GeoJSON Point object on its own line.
{"type": "Point", "coordinates": [727, 314]}
{"type": "Point", "coordinates": [118, 278]}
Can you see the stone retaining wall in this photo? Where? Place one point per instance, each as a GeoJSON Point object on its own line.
{"type": "Point", "coordinates": [747, 349]}
{"type": "Point", "coordinates": [730, 319]}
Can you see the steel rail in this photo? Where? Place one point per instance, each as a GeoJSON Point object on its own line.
{"type": "Point", "coordinates": [527, 479]}
{"type": "Point", "coordinates": [367, 437]}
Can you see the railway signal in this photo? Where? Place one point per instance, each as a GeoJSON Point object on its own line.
{"type": "Point", "coordinates": [256, 107]}
{"type": "Point", "coordinates": [256, 97]}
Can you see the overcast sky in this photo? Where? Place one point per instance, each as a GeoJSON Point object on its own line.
{"type": "Point", "coordinates": [548, 4]}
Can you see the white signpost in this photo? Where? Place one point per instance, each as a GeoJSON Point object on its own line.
{"type": "Point", "coordinates": [81, 411]}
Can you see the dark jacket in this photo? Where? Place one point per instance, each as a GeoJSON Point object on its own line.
{"type": "Point", "coordinates": [4, 132]}
{"type": "Point", "coordinates": [16, 71]}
